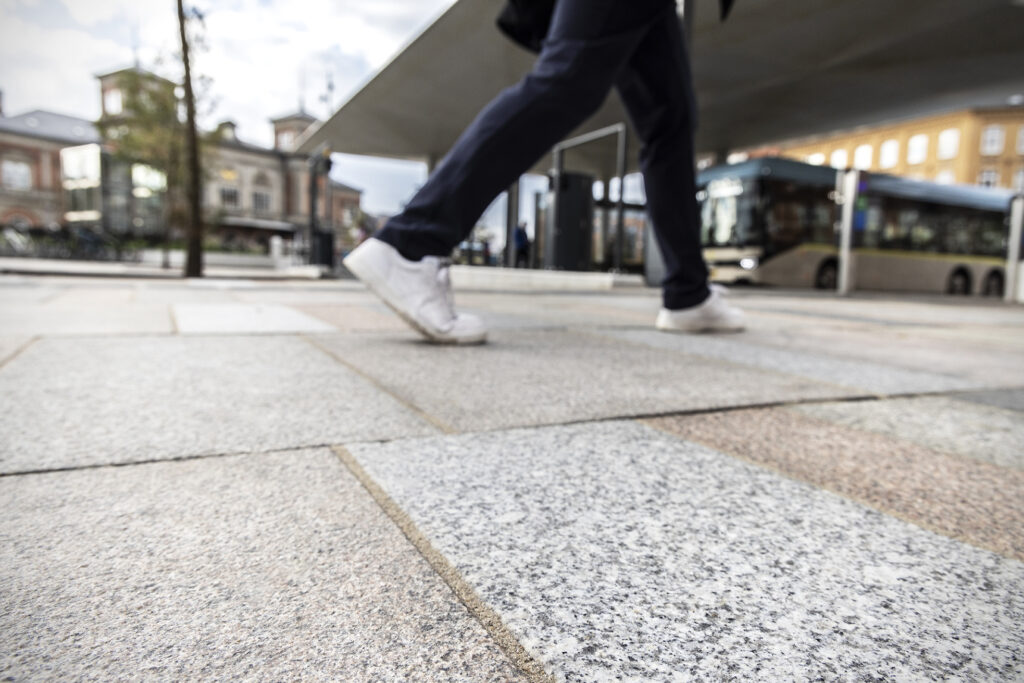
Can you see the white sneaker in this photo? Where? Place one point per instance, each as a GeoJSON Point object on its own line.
{"type": "Point", "coordinates": [711, 315]}
{"type": "Point", "coordinates": [418, 291]}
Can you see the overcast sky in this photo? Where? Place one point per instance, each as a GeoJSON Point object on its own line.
{"type": "Point", "coordinates": [264, 58]}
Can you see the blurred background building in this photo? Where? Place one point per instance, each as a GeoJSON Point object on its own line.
{"type": "Point", "coordinates": [64, 177]}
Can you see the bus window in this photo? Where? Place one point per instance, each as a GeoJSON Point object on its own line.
{"type": "Point", "coordinates": [823, 222]}
{"type": "Point", "coordinates": [958, 235]}
{"type": "Point", "coordinates": [923, 237]}
{"type": "Point", "coordinates": [991, 237]}
{"type": "Point", "coordinates": [727, 214]}
{"type": "Point", "coordinates": [874, 220]}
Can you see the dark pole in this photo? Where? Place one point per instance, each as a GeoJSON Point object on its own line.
{"type": "Point", "coordinates": [194, 261]}
{"type": "Point", "coordinates": [313, 196]}
{"type": "Point", "coordinates": [620, 222]}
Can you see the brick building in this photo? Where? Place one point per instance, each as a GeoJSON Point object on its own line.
{"type": "Point", "coordinates": [250, 192]}
{"type": "Point", "coordinates": [30, 170]}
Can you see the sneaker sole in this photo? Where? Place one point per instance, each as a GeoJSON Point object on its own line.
{"type": "Point", "coordinates": [379, 287]}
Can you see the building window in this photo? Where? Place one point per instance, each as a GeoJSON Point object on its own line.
{"type": "Point", "coordinates": [917, 149]}
{"type": "Point", "coordinates": [889, 154]}
{"type": "Point", "coordinates": [988, 178]}
{"type": "Point", "coordinates": [863, 156]}
{"type": "Point", "coordinates": [945, 178]}
{"type": "Point", "coordinates": [229, 196]}
{"type": "Point", "coordinates": [285, 139]}
{"type": "Point", "coordinates": [839, 159]}
{"type": "Point", "coordinates": [1020, 140]}
{"type": "Point", "coordinates": [17, 175]}
{"type": "Point", "coordinates": [112, 104]}
{"type": "Point", "coordinates": [949, 143]}
{"type": "Point", "coordinates": [816, 159]}
{"type": "Point", "coordinates": [1018, 180]}
{"type": "Point", "coordinates": [992, 140]}
{"type": "Point", "coordinates": [261, 202]}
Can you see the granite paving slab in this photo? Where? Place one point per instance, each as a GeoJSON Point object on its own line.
{"type": "Point", "coordinates": [31, 319]}
{"type": "Point", "coordinates": [909, 349]}
{"type": "Point", "coordinates": [14, 289]}
{"type": "Point", "coordinates": [894, 309]}
{"type": "Point", "coordinates": [244, 319]}
{"type": "Point", "coordinates": [167, 293]}
{"type": "Point", "coordinates": [743, 349]}
{"type": "Point", "coordinates": [1010, 399]}
{"type": "Point", "coordinates": [69, 402]}
{"type": "Point", "coordinates": [973, 501]}
{"type": "Point", "coordinates": [546, 310]}
{"type": "Point", "coordinates": [354, 318]}
{"type": "Point", "coordinates": [338, 292]}
{"type": "Point", "coordinates": [945, 424]}
{"type": "Point", "coordinates": [266, 567]}
{"type": "Point", "coordinates": [523, 378]}
{"type": "Point", "coordinates": [617, 552]}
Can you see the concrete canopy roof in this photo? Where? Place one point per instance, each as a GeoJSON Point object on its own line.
{"type": "Point", "coordinates": [776, 69]}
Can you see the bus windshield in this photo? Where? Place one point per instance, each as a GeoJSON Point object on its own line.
{"type": "Point", "coordinates": [727, 213]}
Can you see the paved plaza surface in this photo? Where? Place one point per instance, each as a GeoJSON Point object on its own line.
{"type": "Point", "coordinates": [231, 479]}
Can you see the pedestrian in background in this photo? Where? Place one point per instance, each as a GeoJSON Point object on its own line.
{"type": "Point", "coordinates": [522, 247]}
{"type": "Point", "coordinates": [586, 47]}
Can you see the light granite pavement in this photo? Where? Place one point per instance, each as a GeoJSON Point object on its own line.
{"type": "Point", "coordinates": [859, 375]}
{"type": "Point", "coordinates": [244, 319]}
{"type": "Point", "coordinates": [83, 401]}
{"type": "Point", "coordinates": [615, 552]}
{"type": "Point", "coordinates": [265, 567]}
{"type": "Point", "coordinates": [834, 535]}
{"type": "Point", "coordinates": [524, 378]}
{"type": "Point", "coordinates": [943, 423]}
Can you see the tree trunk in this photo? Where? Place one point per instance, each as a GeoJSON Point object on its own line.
{"type": "Point", "coordinates": [194, 259]}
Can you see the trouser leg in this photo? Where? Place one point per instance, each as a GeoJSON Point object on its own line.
{"type": "Point", "coordinates": [587, 46]}
{"type": "Point", "coordinates": [657, 90]}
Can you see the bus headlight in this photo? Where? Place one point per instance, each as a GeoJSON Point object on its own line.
{"type": "Point", "coordinates": [748, 263]}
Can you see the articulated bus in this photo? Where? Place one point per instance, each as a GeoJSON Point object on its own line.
{"type": "Point", "coordinates": [775, 221]}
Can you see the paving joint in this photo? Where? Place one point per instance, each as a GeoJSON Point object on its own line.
{"type": "Point", "coordinates": [154, 461]}
{"type": "Point", "coordinates": [487, 617]}
{"type": "Point", "coordinates": [18, 351]}
{"type": "Point", "coordinates": [443, 426]}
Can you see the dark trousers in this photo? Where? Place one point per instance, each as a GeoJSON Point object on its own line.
{"type": "Point", "coordinates": [635, 46]}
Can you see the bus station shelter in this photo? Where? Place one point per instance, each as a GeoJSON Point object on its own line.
{"type": "Point", "coordinates": [776, 69]}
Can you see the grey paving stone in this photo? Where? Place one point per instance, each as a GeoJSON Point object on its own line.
{"type": "Point", "coordinates": [354, 318]}
{"type": "Point", "coordinates": [97, 318]}
{"type": "Point", "coordinates": [266, 567]}
{"type": "Point", "coordinates": [989, 364]}
{"type": "Point", "coordinates": [1010, 399]}
{"type": "Point", "coordinates": [244, 319]}
{"type": "Point", "coordinates": [615, 552]}
{"type": "Point", "coordinates": [856, 374]}
{"type": "Point", "coordinates": [524, 378]}
{"type": "Point", "coordinates": [81, 401]}
{"type": "Point", "coordinates": [945, 424]}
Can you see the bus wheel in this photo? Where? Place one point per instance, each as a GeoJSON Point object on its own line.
{"type": "Point", "coordinates": [993, 284]}
{"type": "Point", "coordinates": [827, 276]}
{"type": "Point", "coordinates": [959, 283]}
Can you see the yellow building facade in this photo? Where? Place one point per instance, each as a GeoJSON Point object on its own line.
{"type": "Point", "coordinates": [969, 147]}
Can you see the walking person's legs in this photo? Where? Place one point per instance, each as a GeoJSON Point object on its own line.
{"type": "Point", "coordinates": [656, 87]}
{"type": "Point", "coordinates": [588, 45]}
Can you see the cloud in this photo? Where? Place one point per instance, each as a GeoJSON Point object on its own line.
{"type": "Point", "coordinates": [263, 57]}
{"type": "Point", "coordinates": [43, 68]}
